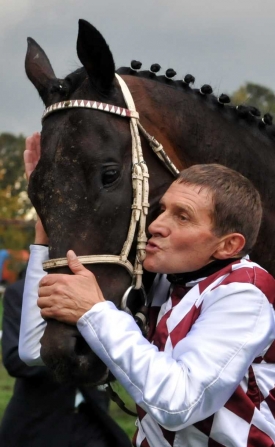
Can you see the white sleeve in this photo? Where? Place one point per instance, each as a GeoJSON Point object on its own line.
{"type": "Point", "coordinates": [32, 324]}
{"type": "Point", "coordinates": [197, 378]}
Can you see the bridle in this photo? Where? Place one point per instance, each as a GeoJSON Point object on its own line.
{"type": "Point", "coordinates": [140, 205]}
{"type": "Point", "coordinates": [140, 185]}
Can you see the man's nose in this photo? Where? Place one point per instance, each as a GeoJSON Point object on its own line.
{"type": "Point", "coordinates": [159, 226]}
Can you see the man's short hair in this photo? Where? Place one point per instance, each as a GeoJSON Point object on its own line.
{"type": "Point", "coordinates": [236, 202]}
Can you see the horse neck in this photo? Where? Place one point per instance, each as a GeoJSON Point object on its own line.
{"type": "Point", "coordinates": [195, 128]}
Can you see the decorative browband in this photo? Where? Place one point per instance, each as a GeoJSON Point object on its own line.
{"type": "Point", "coordinates": [88, 104]}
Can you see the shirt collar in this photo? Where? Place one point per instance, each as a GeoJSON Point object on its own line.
{"type": "Point", "coordinates": [204, 272]}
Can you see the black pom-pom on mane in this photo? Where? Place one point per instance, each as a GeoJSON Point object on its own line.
{"type": "Point", "coordinates": [254, 111]}
{"type": "Point", "coordinates": [248, 113]}
{"type": "Point", "coordinates": [135, 65]}
{"type": "Point", "coordinates": [155, 68]}
{"type": "Point", "coordinates": [267, 119]}
{"type": "Point", "coordinates": [223, 99]}
{"type": "Point", "coordinates": [189, 79]}
{"type": "Point", "coordinates": [206, 89]}
{"type": "Point", "coordinates": [170, 73]}
{"type": "Point", "coordinates": [243, 111]}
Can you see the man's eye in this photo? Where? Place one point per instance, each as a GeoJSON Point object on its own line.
{"type": "Point", "coordinates": [183, 217]}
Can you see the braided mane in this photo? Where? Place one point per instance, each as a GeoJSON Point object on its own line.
{"type": "Point", "coordinates": [249, 115]}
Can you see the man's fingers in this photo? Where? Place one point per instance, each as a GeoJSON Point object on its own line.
{"type": "Point", "coordinates": [45, 291]}
{"type": "Point", "coordinates": [36, 145]}
{"type": "Point", "coordinates": [46, 315]}
{"type": "Point", "coordinates": [51, 278]}
{"type": "Point", "coordinates": [28, 161]}
{"type": "Point", "coordinates": [57, 313]}
{"type": "Point", "coordinates": [50, 312]}
{"type": "Point", "coordinates": [44, 302]}
{"type": "Point", "coordinates": [75, 265]}
{"type": "Point", "coordinates": [52, 306]}
{"type": "Point", "coordinates": [31, 153]}
{"type": "Point", "coordinates": [51, 302]}
{"type": "Point", "coordinates": [28, 143]}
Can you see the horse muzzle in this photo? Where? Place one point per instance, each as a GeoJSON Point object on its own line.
{"type": "Point", "coordinates": [65, 352]}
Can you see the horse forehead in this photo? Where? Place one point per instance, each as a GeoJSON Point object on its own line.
{"type": "Point", "coordinates": [73, 154]}
{"type": "Point", "coordinates": [90, 132]}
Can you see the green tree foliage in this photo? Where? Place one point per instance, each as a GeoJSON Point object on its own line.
{"type": "Point", "coordinates": [13, 198]}
{"type": "Point", "coordinates": [255, 95]}
{"type": "Point", "coordinates": [16, 234]}
{"type": "Point", "coordinates": [15, 231]}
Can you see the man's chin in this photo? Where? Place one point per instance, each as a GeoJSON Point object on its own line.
{"type": "Point", "coordinates": [150, 267]}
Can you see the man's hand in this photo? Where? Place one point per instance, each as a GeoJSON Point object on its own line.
{"type": "Point", "coordinates": [31, 158]}
{"type": "Point", "coordinates": [31, 153]}
{"type": "Point", "coordinates": [67, 297]}
{"type": "Point", "coordinates": [41, 237]}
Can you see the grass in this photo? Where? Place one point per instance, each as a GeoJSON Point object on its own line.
{"type": "Point", "coordinates": [6, 389]}
{"type": "Point", "coordinates": [127, 423]}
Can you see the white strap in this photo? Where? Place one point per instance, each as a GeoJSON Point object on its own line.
{"type": "Point", "coordinates": [89, 259]}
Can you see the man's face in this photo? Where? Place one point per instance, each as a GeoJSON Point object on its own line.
{"type": "Point", "coordinates": [182, 237]}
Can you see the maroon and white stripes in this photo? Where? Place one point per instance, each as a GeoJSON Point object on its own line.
{"type": "Point", "coordinates": [247, 418]}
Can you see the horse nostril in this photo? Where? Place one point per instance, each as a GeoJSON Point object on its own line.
{"type": "Point", "coordinates": [81, 347]}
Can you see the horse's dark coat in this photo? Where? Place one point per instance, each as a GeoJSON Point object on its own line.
{"type": "Point", "coordinates": [81, 187]}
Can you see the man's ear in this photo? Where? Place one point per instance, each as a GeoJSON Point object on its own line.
{"type": "Point", "coordinates": [230, 245]}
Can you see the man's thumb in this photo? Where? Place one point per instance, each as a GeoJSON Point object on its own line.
{"type": "Point", "coordinates": [74, 264]}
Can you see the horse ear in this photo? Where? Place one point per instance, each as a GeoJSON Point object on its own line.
{"type": "Point", "coordinates": [95, 55]}
{"type": "Point", "coordinates": [39, 69]}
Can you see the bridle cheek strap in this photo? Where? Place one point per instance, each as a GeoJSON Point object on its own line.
{"type": "Point", "coordinates": [140, 185]}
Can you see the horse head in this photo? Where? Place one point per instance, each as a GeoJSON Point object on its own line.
{"type": "Point", "coordinates": [82, 185]}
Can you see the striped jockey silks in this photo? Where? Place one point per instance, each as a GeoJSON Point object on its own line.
{"type": "Point", "coordinates": [247, 418]}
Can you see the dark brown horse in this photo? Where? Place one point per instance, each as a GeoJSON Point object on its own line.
{"type": "Point", "coordinates": [82, 186]}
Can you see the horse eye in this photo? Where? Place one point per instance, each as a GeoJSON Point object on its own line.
{"type": "Point", "coordinates": [110, 176]}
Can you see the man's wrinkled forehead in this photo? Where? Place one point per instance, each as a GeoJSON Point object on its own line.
{"type": "Point", "coordinates": [186, 192]}
{"type": "Point", "coordinates": [198, 186]}
{"type": "Point", "coordinates": [200, 189]}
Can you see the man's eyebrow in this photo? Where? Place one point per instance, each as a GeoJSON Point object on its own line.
{"type": "Point", "coordinates": [180, 206]}
{"type": "Point", "coordinates": [186, 208]}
